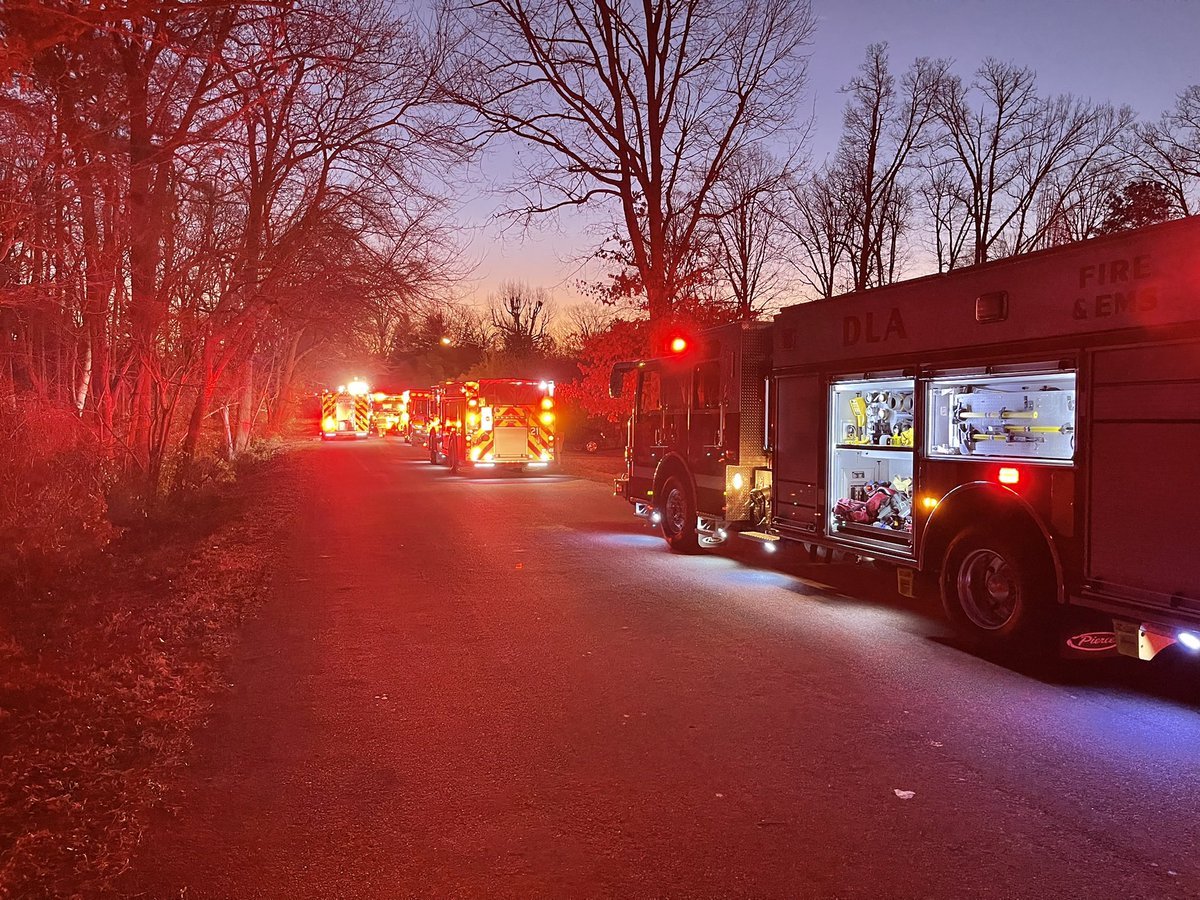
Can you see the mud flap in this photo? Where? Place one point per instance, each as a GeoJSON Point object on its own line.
{"type": "Point", "coordinates": [1086, 634]}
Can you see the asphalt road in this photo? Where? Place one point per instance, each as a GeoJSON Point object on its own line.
{"type": "Point", "coordinates": [506, 687]}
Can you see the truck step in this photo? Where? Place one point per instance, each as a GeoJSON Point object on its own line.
{"type": "Point", "coordinates": [760, 537]}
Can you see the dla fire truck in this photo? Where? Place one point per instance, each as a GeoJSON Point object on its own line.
{"type": "Point", "coordinates": [492, 423]}
{"type": "Point", "coordinates": [1021, 436]}
{"type": "Point", "coordinates": [346, 412]}
{"type": "Point", "coordinates": [416, 414]}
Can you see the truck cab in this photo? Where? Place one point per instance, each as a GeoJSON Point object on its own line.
{"type": "Point", "coordinates": [696, 460]}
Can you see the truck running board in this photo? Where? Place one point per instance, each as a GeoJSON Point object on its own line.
{"type": "Point", "coordinates": [760, 537]}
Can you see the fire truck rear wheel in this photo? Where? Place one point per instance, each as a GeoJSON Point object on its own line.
{"type": "Point", "coordinates": [996, 589]}
{"type": "Point", "coordinates": [433, 454]}
{"type": "Point", "coordinates": [452, 454]}
{"type": "Point", "coordinates": [679, 516]}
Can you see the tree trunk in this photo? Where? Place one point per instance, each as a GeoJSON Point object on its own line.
{"type": "Point", "coordinates": [245, 407]}
{"type": "Point", "coordinates": [204, 395]}
{"type": "Point", "coordinates": [282, 410]}
{"type": "Point", "coordinates": [228, 433]}
{"type": "Point", "coordinates": [85, 377]}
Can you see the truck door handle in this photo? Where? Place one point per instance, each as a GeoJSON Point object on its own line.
{"type": "Point", "coordinates": [658, 436]}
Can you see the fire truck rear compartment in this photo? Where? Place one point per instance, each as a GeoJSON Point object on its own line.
{"type": "Point", "coordinates": [511, 443]}
{"type": "Point", "coordinates": [1145, 434]}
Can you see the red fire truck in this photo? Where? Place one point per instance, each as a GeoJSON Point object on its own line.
{"type": "Point", "coordinates": [1019, 435]}
{"type": "Point", "coordinates": [386, 413]}
{"type": "Point", "coordinates": [494, 422]}
{"type": "Point", "coordinates": [416, 413]}
{"type": "Point", "coordinates": [346, 412]}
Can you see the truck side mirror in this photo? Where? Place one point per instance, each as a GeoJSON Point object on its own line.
{"type": "Point", "coordinates": [616, 382]}
{"type": "Point", "coordinates": [616, 378]}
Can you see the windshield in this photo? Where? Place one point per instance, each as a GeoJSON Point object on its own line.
{"type": "Point", "coordinates": [509, 394]}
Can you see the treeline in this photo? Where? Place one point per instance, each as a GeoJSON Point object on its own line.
{"type": "Point", "coordinates": [193, 197]}
{"type": "Point", "coordinates": [935, 171]}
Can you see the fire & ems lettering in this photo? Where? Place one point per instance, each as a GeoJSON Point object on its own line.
{"type": "Point", "coordinates": [1122, 295]}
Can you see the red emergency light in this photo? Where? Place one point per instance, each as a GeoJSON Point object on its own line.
{"type": "Point", "coordinates": [1009, 475]}
{"type": "Point", "coordinates": [678, 345]}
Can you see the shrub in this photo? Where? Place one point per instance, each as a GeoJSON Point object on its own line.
{"type": "Point", "coordinates": [53, 482]}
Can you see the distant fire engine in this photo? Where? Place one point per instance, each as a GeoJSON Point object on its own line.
{"type": "Point", "coordinates": [493, 423]}
{"type": "Point", "coordinates": [416, 414]}
{"type": "Point", "coordinates": [388, 410]}
{"type": "Point", "coordinates": [346, 412]}
{"type": "Point", "coordinates": [1018, 435]}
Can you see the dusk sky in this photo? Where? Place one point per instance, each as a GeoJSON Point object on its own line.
{"type": "Point", "coordinates": [1136, 52]}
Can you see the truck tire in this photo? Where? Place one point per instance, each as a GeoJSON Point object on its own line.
{"type": "Point", "coordinates": [433, 454]}
{"type": "Point", "coordinates": [997, 590]}
{"type": "Point", "coordinates": [678, 512]}
{"type": "Point", "coordinates": [452, 454]}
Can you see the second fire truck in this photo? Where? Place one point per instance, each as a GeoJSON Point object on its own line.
{"type": "Point", "coordinates": [346, 412]}
{"type": "Point", "coordinates": [1018, 436]}
{"type": "Point", "coordinates": [387, 413]}
{"type": "Point", "coordinates": [494, 423]}
{"type": "Point", "coordinates": [416, 414]}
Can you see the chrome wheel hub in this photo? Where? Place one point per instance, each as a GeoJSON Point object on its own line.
{"type": "Point", "coordinates": [988, 589]}
{"type": "Point", "coordinates": [676, 511]}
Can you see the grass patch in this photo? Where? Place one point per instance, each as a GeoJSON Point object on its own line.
{"type": "Point", "coordinates": [106, 675]}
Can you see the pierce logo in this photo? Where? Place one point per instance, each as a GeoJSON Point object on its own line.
{"type": "Point", "coordinates": [1093, 641]}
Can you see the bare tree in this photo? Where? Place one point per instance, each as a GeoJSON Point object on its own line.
{"type": "Point", "coordinates": [641, 105]}
{"type": "Point", "coordinates": [582, 323]}
{"type": "Point", "coordinates": [341, 119]}
{"type": "Point", "coordinates": [948, 225]}
{"type": "Point", "coordinates": [886, 127]}
{"type": "Point", "coordinates": [818, 218]}
{"type": "Point", "coordinates": [203, 193]}
{"type": "Point", "coordinates": [522, 317]}
{"type": "Point", "coordinates": [1019, 155]}
{"type": "Point", "coordinates": [1169, 150]}
{"type": "Point", "coordinates": [746, 234]}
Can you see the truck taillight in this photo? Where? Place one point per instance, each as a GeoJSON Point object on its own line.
{"type": "Point", "coordinates": [329, 424]}
{"type": "Point", "coordinates": [1009, 475]}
